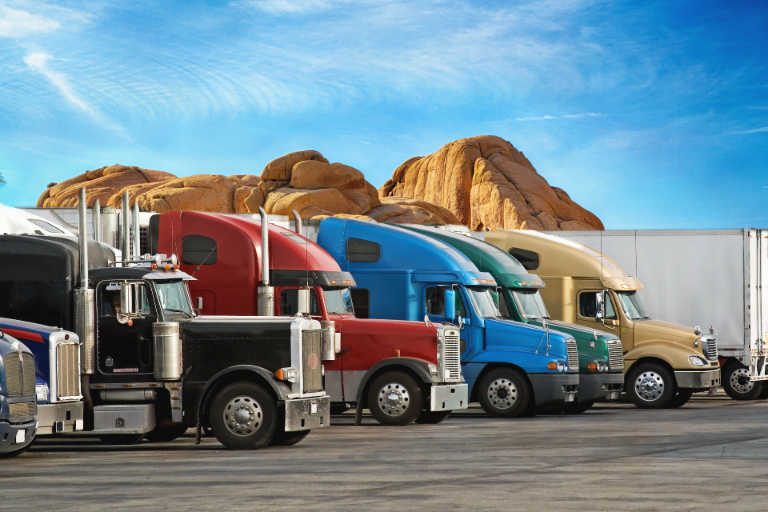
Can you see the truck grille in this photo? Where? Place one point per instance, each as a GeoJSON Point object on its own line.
{"type": "Point", "coordinates": [67, 371]}
{"type": "Point", "coordinates": [21, 411]}
{"type": "Point", "coordinates": [615, 354]}
{"type": "Point", "coordinates": [709, 345]}
{"type": "Point", "coordinates": [450, 359]}
{"type": "Point", "coordinates": [311, 353]}
{"type": "Point", "coordinates": [20, 374]}
{"type": "Point", "coordinates": [573, 354]}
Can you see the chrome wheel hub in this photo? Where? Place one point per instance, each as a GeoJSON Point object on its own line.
{"type": "Point", "coordinates": [243, 416]}
{"type": "Point", "coordinates": [649, 386]}
{"type": "Point", "coordinates": [739, 381]}
{"type": "Point", "coordinates": [502, 393]}
{"type": "Point", "coordinates": [394, 399]}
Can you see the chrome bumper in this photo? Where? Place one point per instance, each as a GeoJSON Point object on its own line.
{"type": "Point", "coordinates": [698, 379]}
{"type": "Point", "coordinates": [307, 413]}
{"type": "Point", "coordinates": [15, 437]}
{"type": "Point", "coordinates": [58, 418]}
{"type": "Point", "coordinates": [553, 388]}
{"type": "Point", "coordinates": [600, 386]}
{"type": "Point", "coordinates": [448, 397]}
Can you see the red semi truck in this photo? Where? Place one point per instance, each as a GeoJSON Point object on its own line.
{"type": "Point", "coordinates": [402, 371]}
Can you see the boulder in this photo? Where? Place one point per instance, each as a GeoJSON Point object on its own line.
{"type": "Point", "coordinates": [102, 184]}
{"type": "Point", "coordinates": [205, 192]}
{"type": "Point", "coordinates": [488, 184]}
{"type": "Point", "coordinates": [400, 210]}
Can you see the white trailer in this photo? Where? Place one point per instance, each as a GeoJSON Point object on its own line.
{"type": "Point", "coordinates": [716, 278]}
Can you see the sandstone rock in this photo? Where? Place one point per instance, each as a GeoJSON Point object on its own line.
{"type": "Point", "coordinates": [279, 169]}
{"type": "Point", "coordinates": [399, 210]}
{"type": "Point", "coordinates": [309, 203]}
{"type": "Point", "coordinates": [205, 192]}
{"type": "Point", "coordinates": [488, 184]}
{"type": "Point", "coordinates": [102, 184]}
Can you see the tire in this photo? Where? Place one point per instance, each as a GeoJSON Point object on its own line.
{"type": "Point", "coordinates": [736, 383]}
{"type": "Point", "coordinates": [432, 418]}
{"type": "Point", "coordinates": [166, 433]}
{"type": "Point", "coordinates": [578, 407]}
{"type": "Point", "coordinates": [504, 392]}
{"type": "Point", "coordinates": [681, 398]}
{"type": "Point", "coordinates": [395, 398]}
{"type": "Point", "coordinates": [243, 416]}
{"type": "Point", "coordinates": [122, 439]}
{"type": "Point", "coordinates": [651, 385]}
{"type": "Point", "coordinates": [283, 438]}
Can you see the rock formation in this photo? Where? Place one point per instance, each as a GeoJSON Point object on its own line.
{"type": "Point", "coordinates": [483, 182]}
{"type": "Point", "coordinates": [488, 184]}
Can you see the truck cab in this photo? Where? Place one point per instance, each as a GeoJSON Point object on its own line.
{"type": "Point", "coordinates": [601, 361]}
{"type": "Point", "coordinates": [402, 371]}
{"type": "Point", "coordinates": [512, 368]}
{"type": "Point", "coordinates": [664, 363]}
{"type": "Point", "coordinates": [18, 406]}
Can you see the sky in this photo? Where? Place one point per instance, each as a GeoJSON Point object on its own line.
{"type": "Point", "coordinates": [650, 114]}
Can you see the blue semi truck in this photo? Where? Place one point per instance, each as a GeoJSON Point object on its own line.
{"type": "Point", "coordinates": [512, 368]}
{"type": "Point", "coordinates": [18, 407]}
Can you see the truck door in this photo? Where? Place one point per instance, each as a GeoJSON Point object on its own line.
{"type": "Point", "coordinates": [123, 349]}
{"type": "Point", "coordinates": [434, 297]}
{"type": "Point", "coordinates": [586, 301]}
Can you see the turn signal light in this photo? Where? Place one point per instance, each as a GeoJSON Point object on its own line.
{"type": "Point", "coordinates": [552, 365]}
{"type": "Point", "coordinates": [286, 374]}
{"type": "Point", "coordinates": [592, 366]}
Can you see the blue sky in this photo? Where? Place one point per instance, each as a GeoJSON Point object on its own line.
{"type": "Point", "coordinates": [650, 114]}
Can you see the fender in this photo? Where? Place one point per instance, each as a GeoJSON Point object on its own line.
{"type": "Point", "coordinates": [529, 362]}
{"type": "Point", "coordinates": [418, 366]}
{"type": "Point", "coordinates": [280, 389]}
{"type": "Point", "coordinates": [674, 355]}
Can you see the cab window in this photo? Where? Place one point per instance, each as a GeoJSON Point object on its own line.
{"type": "Point", "coordinates": [588, 305]}
{"type": "Point", "coordinates": [289, 302]}
{"type": "Point", "coordinates": [435, 297]}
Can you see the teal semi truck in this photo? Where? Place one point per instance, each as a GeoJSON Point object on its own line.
{"type": "Point", "coordinates": [601, 361]}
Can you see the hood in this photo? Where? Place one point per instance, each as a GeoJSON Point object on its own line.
{"type": "Point", "coordinates": [505, 334]}
{"type": "Point", "coordinates": [657, 329]}
{"type": "Point", "coordinates": [400, 328]}
{"type": "Point", "coordinates": [581, 332]}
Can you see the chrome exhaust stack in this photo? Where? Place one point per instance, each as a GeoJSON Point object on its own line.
{"type": "Point", "coordinates": [97, 234]}
{"type": "Point", "coordinates": [266, 294]}
{"type": "Point", "coordinates": [136, 254]}
{"type": "Point", "coordinates": [84, 298]}
{"type": "Point", "coordinates": [125, 246]}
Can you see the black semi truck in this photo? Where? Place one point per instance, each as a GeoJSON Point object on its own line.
{"type": "Point", "coordinates": [149, 365]}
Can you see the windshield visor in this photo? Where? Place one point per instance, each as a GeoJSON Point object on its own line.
{"type": "Point", "coordinates": [174, 298]}
{"type": "Point", "coordinates": [530, 303]}
{"type": "Point", "coordinates": [483, 302]}
{"type": "Point", "coordinates": [630, 303]}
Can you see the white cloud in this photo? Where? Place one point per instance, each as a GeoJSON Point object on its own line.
{"type": "Point", "coordinates": [287, 6]}
{"type": "Point", "coordinates": [39, 62]}
{"type": "Point", "coordinates": [15, 23]}
{"type": "Point", "coordinates": [762, 129]}
{"type": "Point", "coordinates": [580, 115]}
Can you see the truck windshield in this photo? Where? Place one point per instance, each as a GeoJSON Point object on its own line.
{"type": "Point", "coordinates": [630, 303]}
{"type": "Point", "coordinates": [484, 303]}
{"type": "Point", "coordinates": [338, 301]}
{"type": "Point", "coordinates": [174, 297]}
{"type": "Point", "coordinates": [530, 303]}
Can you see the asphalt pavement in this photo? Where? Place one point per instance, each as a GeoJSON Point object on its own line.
{"type": "Point", "coordinates": [710, 454]}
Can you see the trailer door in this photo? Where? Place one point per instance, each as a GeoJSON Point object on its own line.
{"type": "Point", "coordinates": [758, 268]}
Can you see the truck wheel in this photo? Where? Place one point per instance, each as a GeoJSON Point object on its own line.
{"type": "Point", "coordinates": [681, 398]}
{"type": "Point", "coordinates": [504, 392]}
{"type": "Point", "coordinates": [736, 383]}
{"type": "Point", "coordinates": [166, 433]}
{"type": "Point", "coordinates": [395, 398]}
{"type": "Point", "coordinates": [283, 438]}
{"type": "Point", "coordinates": [651, 386]}
{"type": "Point", "coordinates": [578, 407]}
{"type": "Point", "coordinates": [432, 418]}
{"type": "Point", "coordinates": [243, 416]}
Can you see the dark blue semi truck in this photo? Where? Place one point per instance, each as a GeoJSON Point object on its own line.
{"type": "Point", "coordinates": [18, 407]}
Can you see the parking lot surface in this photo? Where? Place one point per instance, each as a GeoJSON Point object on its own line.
{"type": "Point", "coordinates": [710, 454]}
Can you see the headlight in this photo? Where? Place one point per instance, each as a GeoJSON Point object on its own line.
{"type": "Point", "coordinates": [697, 361]}
{"type": "Point", "coordinates": [562, 366]}
{"type": "Point", "coordinates": [602, 367]}
{"type": "Point", "coordinates": [41, 390]}
{"type": "Point", "coordinates": [432, 368]}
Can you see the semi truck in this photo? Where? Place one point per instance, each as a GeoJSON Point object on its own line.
{"type": "Point", "coordinates": [601, 360]}
{"type": "Point", "coordinates": [512, 368]}
{"type": "Point", "coordinates": [149, 364]}
{"type": "Point", "coordinates": [18, 405]}
{"type": "Point", "coordinates": [401, 371]}
{"type": "Point", "coordinates": [715, 278]}
{"type": "Point", "coordinates": [665, 363]}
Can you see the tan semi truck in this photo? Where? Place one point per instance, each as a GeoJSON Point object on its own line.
{"type": "Point", "coordinates": [664, 363]}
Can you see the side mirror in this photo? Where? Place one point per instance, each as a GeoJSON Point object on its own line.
{"type": "Point", "coordinates": [449, 298]}
{"type": "Point", "coordinates": [600, 300]}
{"type": "Point", "coordinates": [127, 304]}
{"type": "Point", "coordinates": [302, 299]}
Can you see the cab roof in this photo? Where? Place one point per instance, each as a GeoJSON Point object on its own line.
{"type": "Point", "coordinates": [398, 249]}
{"type": "Point", "coordinates": [559, 257]}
